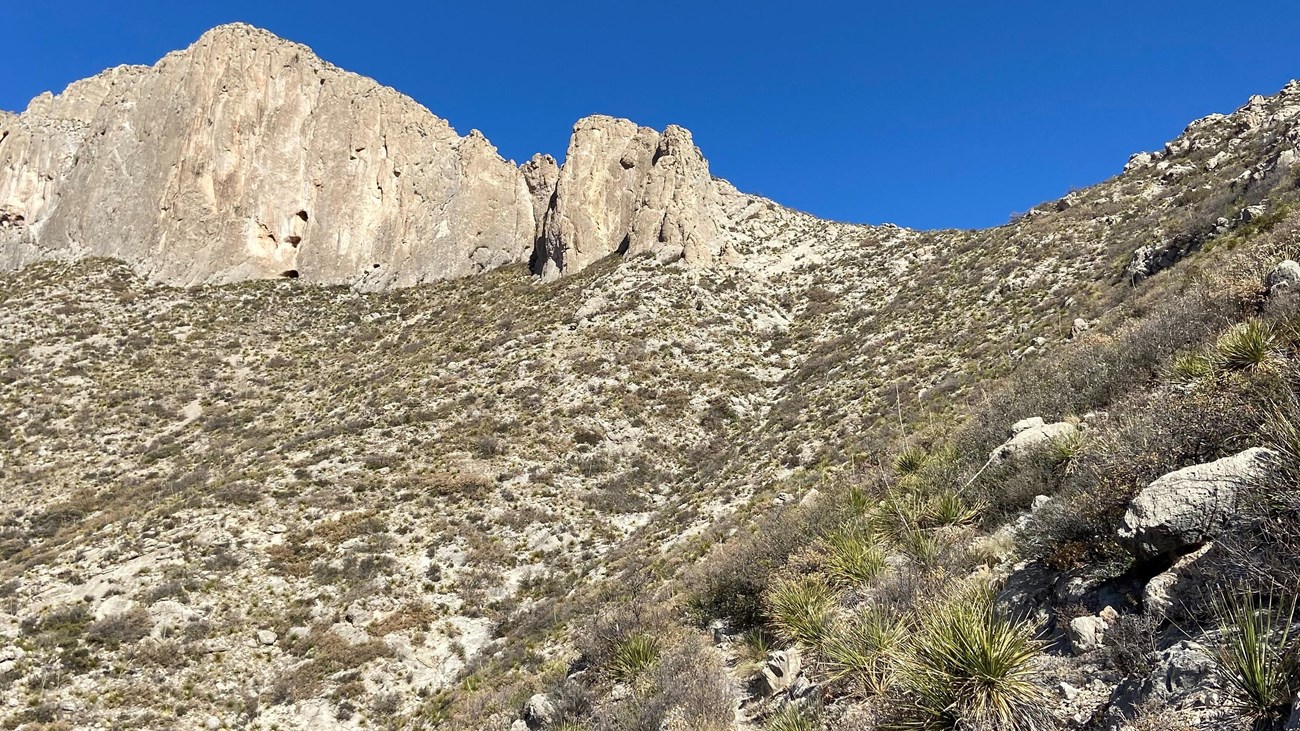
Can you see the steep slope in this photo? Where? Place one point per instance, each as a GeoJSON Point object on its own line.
{"type": "Point", "coordinates": [264, 504]}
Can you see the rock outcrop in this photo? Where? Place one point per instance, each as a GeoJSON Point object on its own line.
{"type": "Point", "coordinates": [628, 189]}
{"type": "Point", "coordinates": [247, 156]}
{"type": "Point", "coordinates": [1188, 507]}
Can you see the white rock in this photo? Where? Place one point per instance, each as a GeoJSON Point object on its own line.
{"type": "Point", "coordinates": [1189, 506]}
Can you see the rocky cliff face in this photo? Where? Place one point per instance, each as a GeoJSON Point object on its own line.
{"type": "Point", "coordinates": [246, 156]}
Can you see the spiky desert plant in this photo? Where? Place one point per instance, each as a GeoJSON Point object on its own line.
{"type": "Point", "coordinates": [924, 547]}
{"type": "Point", "coordinates": [1256, 654]}
{"type": "Point", "coordinates": [634, 656]}
{"type": "Point", "coordinates": [755, 646]}
{"type": "Point", "coordinates": [1192, 366]}
{"type": "Point", "coordinates": [853, 557]}
{"type": "Point", "coordinates": [950, 507]}
{"type": "Point", "coordinates": [1246, 346]}
{"type": "Point", "coordinates": [795, 717]}
{"type": "Point", "coordinates": [1283, 435]}
{"type": "Point", "coordinates": [865, 648]}
{"type": "Point", "coordinates": [910, 460]}
{"type": "Point", "coordinates": [801, 609]}
{"type": "Point", "coordinates": [968, 667]}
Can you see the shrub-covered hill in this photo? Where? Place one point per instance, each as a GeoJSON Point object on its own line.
{"type": "Point", "coordinates": [647, 497]}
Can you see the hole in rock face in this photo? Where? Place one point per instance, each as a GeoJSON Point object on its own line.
{"type": "Point", "coordinates": [294, 241]}
{"type": "Point", "coordinates": [290, 274]}
{"type": "Point", "coordinates": [376, 266]}
{"type": "Point", "coordinates": [302, 215]}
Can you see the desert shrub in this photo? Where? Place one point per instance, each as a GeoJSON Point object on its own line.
{"type": "Point", "coordinates": [123, 629]}
{"type": "Point", "coordinates": [634, 656]}
{"type": "Point", "coordinates": [795, 718]}
{"type": "Point", "coordinates": [801, 609]}
{"type": "Point", "coordinates": [1251, 344]}
{"type": "Point", "coordinates": [968, 667]}
{"type": "Point", "coordinates": [1257, 656]}
{"type": "Point", "coordinates": [730, 583]}
{"type": "Point", "coordinates": [865, 647]}
{"type": "Point", "coordinates": [687, 688]}
{"type": "Point", "coordinates": [1130, 644]}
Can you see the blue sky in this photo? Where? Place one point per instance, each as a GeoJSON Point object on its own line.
{"type": "Point", "coordinates": [925, 114]}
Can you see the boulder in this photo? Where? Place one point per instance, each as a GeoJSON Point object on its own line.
{"type": "Point", "coordinates": [1170, 590]}
{"type": "Point", "coordinates": [780, 671]}
{"type": "Point", "coordinates": [1283, 276]}
{"type": "Point", "coordinates": [1190, 506]}
{"type": "Point", "coordinates": [1030, 423]}
{"type": "Point", "coordinates": [1032, 438]}
{"type": "Point", "coordinates": [115, 606]}
{"type": "Point", "coordinates": [1086, 633]}
{"type": "Point", "coordinates": [266, 637]}
{"type": "Point", "coordinates": [539, 711]}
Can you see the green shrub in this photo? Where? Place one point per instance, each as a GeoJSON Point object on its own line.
{"type": "Point", "coordinates": [1257, 656]}
{"type": "Point", "coordinates": [853, 558]}
{"type": "Point", "coordinates": [800, 609]}
{"type": "Point", "coordinates": [865, 648]}
{"type": "Point", "coordinates": [967, 667]}
{"type": "Point", "coordinates": [634, 656]}
{"type": "Point", "coordinates": [1248, 345]}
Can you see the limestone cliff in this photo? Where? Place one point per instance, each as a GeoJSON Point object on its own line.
{"type": "Point", "coordinates": [247, 156]}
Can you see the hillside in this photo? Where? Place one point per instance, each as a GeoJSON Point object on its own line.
{"type": "Point", "coordinates": [593, 480]}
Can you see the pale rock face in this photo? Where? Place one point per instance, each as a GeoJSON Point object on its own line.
{"type": "Point", "coordinates": [629, 189]}
{"type": "Point", "coordinates": [540, 175]}
{"type": "Point", "coordinates": [1189, 506]}
{"type": "Point", "coordinates": [598, 188]}
{"type": "Point", "coordinates": [680, 207]}
{"type": "Point", "coordinates": [247, 156]}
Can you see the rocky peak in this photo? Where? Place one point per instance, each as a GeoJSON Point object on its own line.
{"type": "Point", "coordinates": [629, 189]}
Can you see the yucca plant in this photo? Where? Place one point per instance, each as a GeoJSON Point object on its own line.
{"type": "Point", "coordinates": [1283, 435]}
{"type": "Point", "coordinates": [924, 547]}
{"type": "Point", "coordinates": [865, 648]}
{"type": "Point", "coordinates": [801, 609]}
{"type": "Point", "coordinates": [634, 656]}
{"type": "Point", "coordinates": [949, 507]}
{"type": "Point", "coordinates": [755, 646]}
{"type": "Point", "coordinates": [967, 666]}
{"type": "Point", "coordinates": [1192, 366]}
{"type": "Point", "coordinates": [795, 717]}
{"type": "Point", "coordinates": [852, 556]}
{"type": "Point", "coordinates": [910, 460]}
{"type": "Point", "coordinates": [1257, 656]}
{"type": "Point", "coordinates": [1248, 345]}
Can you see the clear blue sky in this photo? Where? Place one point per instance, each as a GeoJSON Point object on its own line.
{"type": "Point", "coordinates": [926, 114]}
